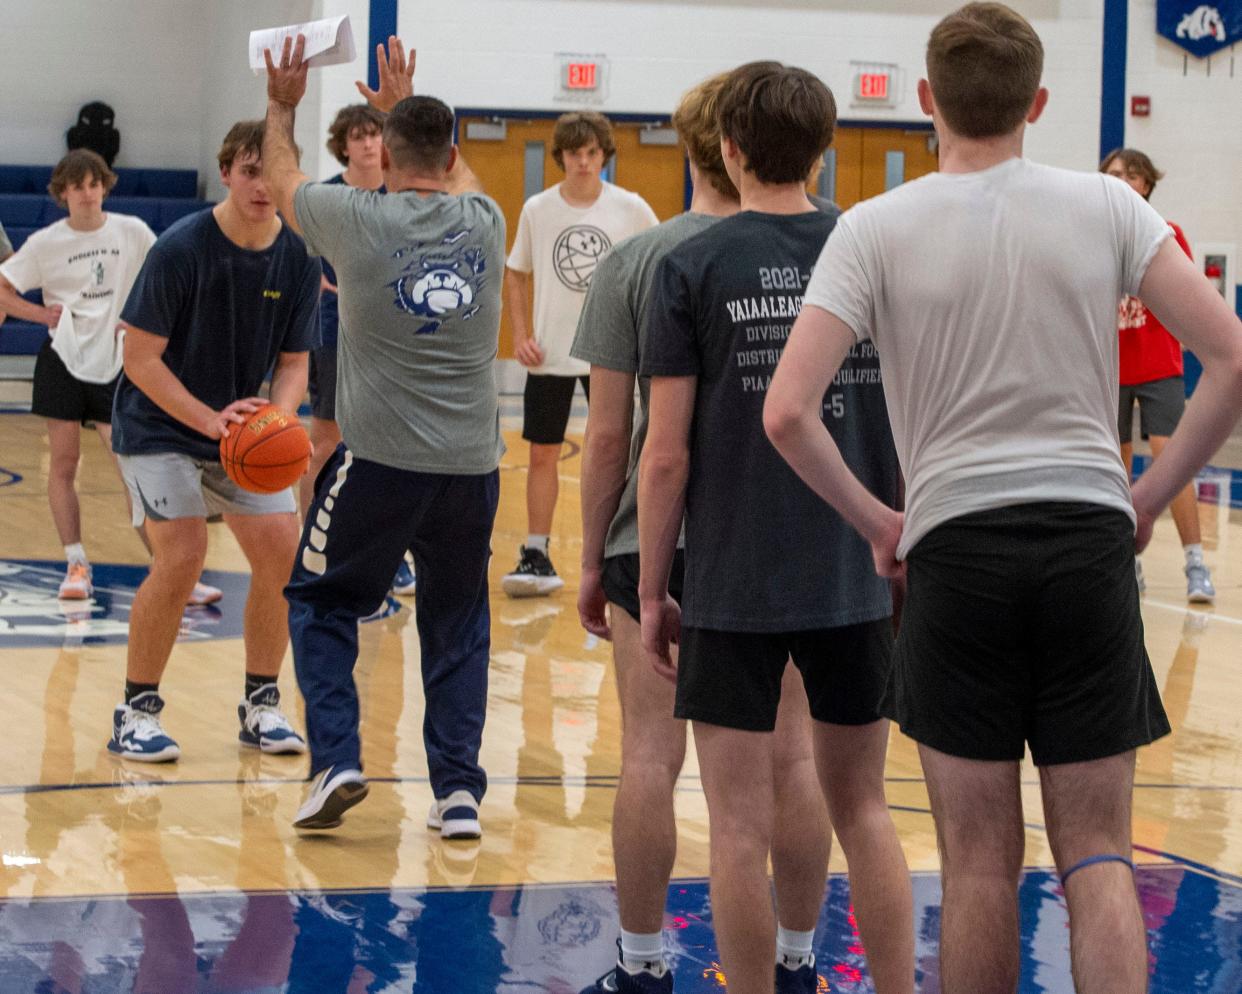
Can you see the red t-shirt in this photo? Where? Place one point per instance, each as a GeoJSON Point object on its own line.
{"type": "Point", "coordinates": [1148, 351]}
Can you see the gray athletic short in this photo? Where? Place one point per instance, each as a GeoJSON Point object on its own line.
{"type": "Point", "coordinates": [168, 485]}
{"type": "Point", "coordinates": [1160, 402]}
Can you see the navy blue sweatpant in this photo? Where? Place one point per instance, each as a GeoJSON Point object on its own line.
{"type": "Point", "coordinates": [364, 517]}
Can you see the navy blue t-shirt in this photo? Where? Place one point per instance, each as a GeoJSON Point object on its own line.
{"type": "Point", "coordinates": [227, 313]}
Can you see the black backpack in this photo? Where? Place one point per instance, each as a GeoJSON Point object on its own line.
{"type": "Point", "coordinates": [94, 131]}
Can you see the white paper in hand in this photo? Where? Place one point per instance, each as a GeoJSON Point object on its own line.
{"type": "Point", "coordinates": [329, 42]}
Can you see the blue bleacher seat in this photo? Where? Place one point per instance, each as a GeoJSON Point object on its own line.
{"type": "Point", "coordinates": [130, 182]}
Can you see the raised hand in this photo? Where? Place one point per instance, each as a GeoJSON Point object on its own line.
{"type": "Point", "coordinates": [286, 83]}
{"type": "Point", "coordinates": [396, 76]}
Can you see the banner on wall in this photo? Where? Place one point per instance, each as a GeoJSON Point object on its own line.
{"type": "Point", "coordinates": [1201, 28]}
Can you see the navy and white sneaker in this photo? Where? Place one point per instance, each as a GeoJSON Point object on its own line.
{"type": "Point", "coordinates": [647, 980]}
{"type": "Point", "coordinates": [333, 792]}
{"type": "Point", "coordinates": [801, 979]}
{"type": "Point", "coordinates": [264, 726]}
{"type": "Point", "coordinates": [456, 816]}
{"type": "Point", "coordinates": [404, 583]}
{"type": "Point", "coordinates": [137, 733]}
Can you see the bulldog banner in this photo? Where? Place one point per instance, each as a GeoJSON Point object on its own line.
{"type": "Point", "coordinates": [1201, 28]}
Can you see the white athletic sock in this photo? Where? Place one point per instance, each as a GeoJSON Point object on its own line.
{"type": "Point", "coordinates": [539, 542]}
{"type": "Point", "coordinates": [643, 951]}
{"type": "Point", "coordinates": [75, 553]}
{"type": "Point", "coordinates": [1194, 553]}
{"type": "Point", "coordinates": [793, 948]}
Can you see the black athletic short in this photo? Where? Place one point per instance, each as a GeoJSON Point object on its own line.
{"type": "Point", "coordinates": [60, 395]}
{"type": "Point", "coordinates": [1022, 625]}
{"type": "Point", "coordinates": [734, 678]}
{"type": "Point", "coordinates": [322, 383]}
{"type": "Point", "coordinates": [1161, 403]}
{"type": "Point", "coordinates": [546, 404]}
{"type": "Point", "coordinates": [620, 579]}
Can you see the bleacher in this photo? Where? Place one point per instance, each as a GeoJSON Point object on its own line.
{"type": "Point", "coordinates": [158, 196]}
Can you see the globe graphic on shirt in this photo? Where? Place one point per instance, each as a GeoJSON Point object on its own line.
{"type": "Point", "coordinates": [576, 254]}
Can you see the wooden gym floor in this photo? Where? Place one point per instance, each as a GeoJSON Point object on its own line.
{"type": "Point", "coordinates": [118, 877]}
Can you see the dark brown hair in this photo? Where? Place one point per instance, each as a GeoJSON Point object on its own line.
{"type": "Point", "coordinates": [1135, 163]}
{"type": "Point", "coordinates": [243, 137]}
{"type": "Point", "coordinates": [353, 118]}
{"type": "Point", "coordinates": [74, 168]}
{"type": "Point", "coordinates": [697, 120]}
{"type": "Point", "coordinates": [984, 63]}
{"type": "Point", "coordinates": [780, 117]}
{"type": "Point", "coordinates": [579, 128]}
{"type": "Point", "coordinates": [419, 134]}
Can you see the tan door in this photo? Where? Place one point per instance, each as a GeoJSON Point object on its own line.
{"type": "Point", "coordinates": [655, 172]}
{"type": "Point", "coordinates": [870, 160]}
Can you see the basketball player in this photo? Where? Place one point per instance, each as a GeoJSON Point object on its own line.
{"type": "Point", "coordinates": [562, 234]}
{"type": "Point", "coordinates": [770, 572]}
{"type": "Point", "coordinates": [225, 295]}
{"type": "Point", "coordinates": [418, 468]}
{"type": "Point", "coordinates": [653, 742]}
{"type": "Point", "coordinates": [85, 265]}
{"type": "Point", "coordinates": [1021, 623]}
{"type": "Point", "coordinates": [1152, 377]}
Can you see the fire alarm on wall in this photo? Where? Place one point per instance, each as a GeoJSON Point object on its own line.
{"type": "Point", "coordinates": [1140, 106]}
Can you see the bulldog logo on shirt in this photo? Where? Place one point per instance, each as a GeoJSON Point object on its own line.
{"type": "Point", "coordinates": [439, 282]}
{"type": "Point", "coordinates": [576, 254]}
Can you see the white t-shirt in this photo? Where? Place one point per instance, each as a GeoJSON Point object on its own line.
{"type": "Point", "coordinates": [89, 273]}
{"type": "Point", "coordinates": [991, 298]}
{"type": "Point", "coordinates": [562, 245]}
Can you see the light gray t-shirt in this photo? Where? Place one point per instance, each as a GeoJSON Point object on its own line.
{"type": "Point", "coordinates": [608, 335]}
{"type": "Point", "coordinates": [6, 246]}
{"type": "Point", "coordinates": [419, 294]}
{"type": "Point", "coordinates": [992, 298]}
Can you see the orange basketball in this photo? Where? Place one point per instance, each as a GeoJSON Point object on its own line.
{"type": "Point", "coordinates": [268, 453]}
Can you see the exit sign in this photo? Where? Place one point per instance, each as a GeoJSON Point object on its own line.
{"type": "Point", "coordinates": [876, 84]}
{"type": "Point", "coordinates": [873, 86]}
{"type": "Point", "coordinates": [582, 75]}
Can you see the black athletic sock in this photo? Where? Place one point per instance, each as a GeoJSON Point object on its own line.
{"type": "Point", "coordinates": [132, 689]}
{"type": "Point", "coordinates": [254, 682]}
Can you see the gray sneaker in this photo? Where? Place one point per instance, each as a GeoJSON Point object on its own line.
{"type": "Point", "coordinates": [1199, 589]}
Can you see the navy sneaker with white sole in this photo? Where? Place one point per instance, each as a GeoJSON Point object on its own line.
{"type": "Point", "coordinates": [333, 792]}
{"type": "Point", "coordinates": [264, 726]}
{"type": "Point", "coordinates": [137, 733]}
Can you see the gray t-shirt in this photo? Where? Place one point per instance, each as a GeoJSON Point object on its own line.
{"type": "Point", "coordinates": [419, 296]}
{"type": "Point", "coordinates": [6, 246]}
{"type": "Point", "coordinates": [609, 333]}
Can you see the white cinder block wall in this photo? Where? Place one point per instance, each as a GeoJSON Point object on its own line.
{"type": "Point", "coordinates": [1192, 134]}
{"type": "Point", "coordinates": [500, 53]}
{"type": "Point", "coordinates": [175, 71]}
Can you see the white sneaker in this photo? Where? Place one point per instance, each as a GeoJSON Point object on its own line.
{"type": "Point", "coordinates": [1138, 575]}
{"type": "Point", "coordinates": [76, 586]}
{"type": "Point", "coordinates": [456, 816]}
{"type": "Point", "coordinates": [333, 792]}
{"type": "Point", "coordinates": [204, 594]}
{"type": "Point", "coordinates": [1199, 589]}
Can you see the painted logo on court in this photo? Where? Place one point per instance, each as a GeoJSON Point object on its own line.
{"type": "Point", "coordinates": [576, 254]}
{"type": "Point", "coordinates": [438, 281]}
{"type": "Point", "coordinates": [32, 615]}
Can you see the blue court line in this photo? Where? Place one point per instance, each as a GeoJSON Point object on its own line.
{"type": "Point", "coordinates": [9, 477]}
